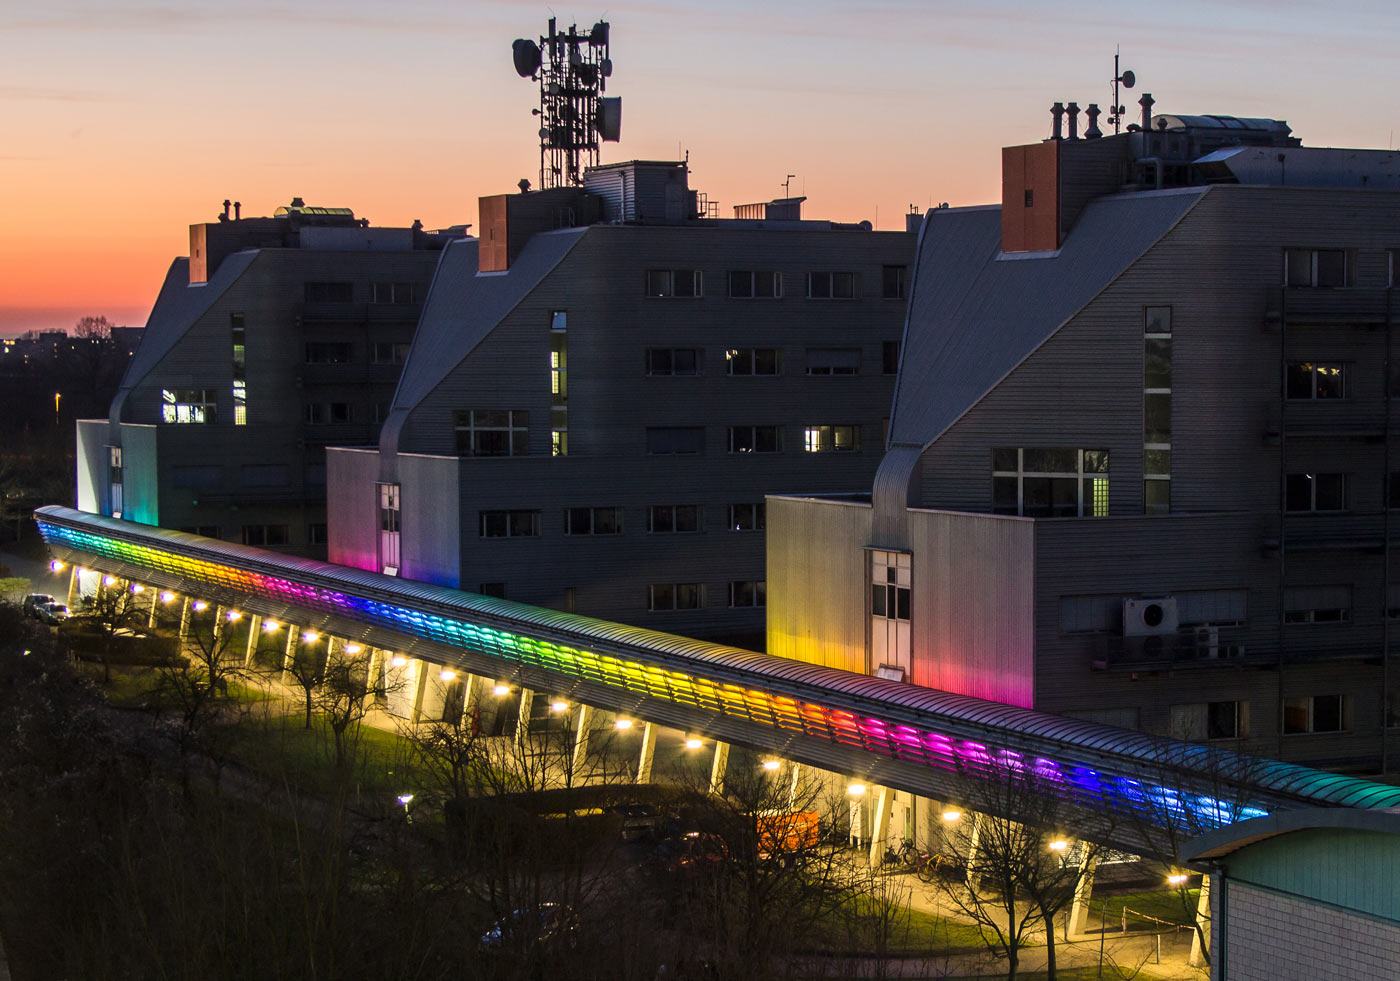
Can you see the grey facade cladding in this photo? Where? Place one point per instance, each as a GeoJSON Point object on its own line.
{"type": "Point", "coordinates": [600, 283]}
{"type": "Point", "coordinates": [269, 472]}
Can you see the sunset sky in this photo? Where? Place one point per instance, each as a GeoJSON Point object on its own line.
{"type": "Point", "coordinates": [125, 122]}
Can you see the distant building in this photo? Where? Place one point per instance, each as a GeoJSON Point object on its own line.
{"type": "Point", "coordinates": [603, 389]}
{"type": "Point", "coordinates": [1143, 455]}
{"type": "Point", "coordinates": [275, 337]}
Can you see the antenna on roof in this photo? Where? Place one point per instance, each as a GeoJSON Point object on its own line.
{"type": "Point", "coordinates": [1128, 80]}
{"type": "Point", "coordinates": [787, 186]}
{"type": "Point", "coordinates": [572, 68]}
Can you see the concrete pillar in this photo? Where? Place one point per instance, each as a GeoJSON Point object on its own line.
{"type": "Point", "coordinates": [1199, 955]}
{"type": "Point", "coordinates": [72, 587]}
{"type": "Point", "coordinates": [581, 738]}
{"type": "Point", "coordinates": [880, 826]}
{"type": "Point", "coordinates": [522, 720]}
{"type": "Point", "coordinates": [420, 688]}
{"type": "Point", "coordinates": [794, 786]}
{"type": "Point", "coordinates": [151, 614]}
{"type": "Point", "coordinates": [1079, 906]}
{"type": "Point", "coordinates": [973, 841]}
{"type": "Point", "coordinates": [289, 652]}
{"type": "Point", "coordinates": [217, 630]}
{"type": "Point", "coordinates": [648, 753]}
{"type": "Point", "coordinates": [717, 768]}
{"type": "Point", "coordinates": [254, 628]}
{"type": "Point", "coordinates": [376, 660]}
{"type": "Point", "coordinates": [184, 621]}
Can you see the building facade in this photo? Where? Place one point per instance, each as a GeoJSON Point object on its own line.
{"type": "Point", "coordinates": [274, 338]}
{"type": "Point", "coordinates": [1141, 463]}
{"type": "Point", "coordinates": [603, 389]}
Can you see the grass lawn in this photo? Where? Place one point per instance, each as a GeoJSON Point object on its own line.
{"type": "Point", "coordinates": [1164, 904]}
{"type": "Point", "coordinates": [914, 932]}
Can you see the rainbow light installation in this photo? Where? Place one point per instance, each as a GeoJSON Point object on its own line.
{"type": "Point", "coordinates": [1081, 785]}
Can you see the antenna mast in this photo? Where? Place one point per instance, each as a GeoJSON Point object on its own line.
{"type": "Point", "coordinates": [572, 68]}
{"type": "Point", "coordinates": [1128, 80]}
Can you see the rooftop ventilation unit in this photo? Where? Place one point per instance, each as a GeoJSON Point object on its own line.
{"type": "Point", "coordinates": [1149, 617]}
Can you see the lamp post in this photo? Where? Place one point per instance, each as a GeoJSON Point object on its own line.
{"type": "Point", "coordinates": [56, 397]}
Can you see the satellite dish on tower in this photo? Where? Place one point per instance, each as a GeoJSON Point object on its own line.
{"type": "Point", "coordinates": [610, 119]}
{"type": "Point", "coordinates": [1128, 79]}
{"type": "Point", "coordinates": [527, 57]}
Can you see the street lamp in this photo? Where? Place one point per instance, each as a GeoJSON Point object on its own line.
{"type": "Point", "coordinates": [56, 397]}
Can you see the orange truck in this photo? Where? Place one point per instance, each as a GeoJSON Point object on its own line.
{"type": "Point", "coordinates": [787, 831]}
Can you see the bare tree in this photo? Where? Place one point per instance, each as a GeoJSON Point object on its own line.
{"type": "Point", "coordinates": [99, 328]}
{"type": "Point", "coordinates": [344, 695]}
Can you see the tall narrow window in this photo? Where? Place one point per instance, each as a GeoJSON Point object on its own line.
{"type": "Point", "coordinates": [389, 525]}
{"type": "Point", "coordinates": [240, 370]}
{"type": "Point", "coordinates": [890, 585]}
{"type": "Point", "coordinates": [114, 472]}
{"type": "Point", "coordinates": [559, 383]}
{"type": "Point", "coordinates": [1157, 410]}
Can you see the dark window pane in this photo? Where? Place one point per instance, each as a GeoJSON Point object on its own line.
{"type": "Point", "coordinates": [1300, 380]}
{"type": "Point", "coordinates": [1297, 495]}
{"type": "Point", "coordinates": [741, 284]}
{"type": "Point", "coordinates": [687, 518]}
{"type": "Point", "coordinates": [1157, 320]}
{"type": "Point", "coordinates": [663, 597]}
{"type": "Point", "coordinates": [765, 361]}
{"type": "Point", "coordinates": [1005, 460]}
{"type": "Point", "coordinates": [1004, 495]}
{"type": "Point", "coordinates": [901, 602]}
{"type": "Point", "coordinates": [1299, 267]}
{"type": "Point", "coordinates": [1327, 713]}
{"type": "Point", "coordinates": [658, 282]}
{"type": "Point", "coordinates": [687, 596]}
{"type": "Point", "coordinates": [843, 285]}
{"type": "Point", "coordinates": [877, 599]}
{"type": "Point", "coordinates": [1157, 364]}
{"type": "Point", "coordinates": [1222, 720]}
{"type": "Point", "coordinates": [684, 361]}
{"type": "Point", "coordinates": [1157, 418]}
{"type": "Point", "coordinates": [1331, 267]}
{"type": "Point", "coordinates": [1295, 715]}
{"type": "Point", "coordinates": [1157, 496]}
{"type": "Point", "coordinates": [1329, 492]}
{"type": "Point", "coordinates": [1331, 381]}
{"type": "Point", "coordinates": [607, 521]}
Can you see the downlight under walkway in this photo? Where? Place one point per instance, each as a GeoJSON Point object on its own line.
{"type": "Point", "coordinates": [928, 742]}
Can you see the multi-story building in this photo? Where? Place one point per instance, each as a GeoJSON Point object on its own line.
{"type": "Point", "coordinates": [603, 389]}
{"type": "Point", "coordinates": [1144, 452]}
{"type": "Point", "coordinates": [275, 337]}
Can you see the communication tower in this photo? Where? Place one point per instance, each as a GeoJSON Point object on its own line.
{"type": "Point", "coordinates": [572, 68]}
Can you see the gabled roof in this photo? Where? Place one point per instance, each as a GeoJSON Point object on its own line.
{"type": "Point", "coordinates": [976, 313]}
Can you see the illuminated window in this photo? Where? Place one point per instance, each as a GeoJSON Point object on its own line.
{"type": "Point", "coordinates": [675, 596]}
{"type": "Point", "coordinates": [1315, 492]}
{"type": "Point", "coordinates": [593, 521]}
{"type": "Point", "coordinates": [755, 439]}
{"type": "Point", "coordinates": [890, 602]}
{"type": "Point", "coordinates": [329, 352]}
{"type": "Point", "coordinates": [893, 282]}
{"type": "Point", "coordinates": [748, 517]}
{"type": "Point", "coordinates": [764, 284]}
{"type": "Point", "coordinates": [510, 524]}
{"type": "Point", "coordinates": [1050, 482]}
{"type": "Point", "coordinates": [666, 519]}
{"type": "Point", "coordinates": [183, 406]}
{"type": "Point", "coordinates": [1316, 267]}
{"type": "Point", "coordinates": [1316, 380]}
{"type": "Point", "coordinates": [240, 370]}
{"type": "Point", "coordinates": [674, 282]}
{"type": "Point", "coordinates": [492, 432]}
{"type": "Point", "coordinates": [748, 593]}
{"type": "Point", "coordinates": [673, 361]}
{"type": "Point", "coordinates": [831, 439]}
{"type": "Point", "coordinates": [831, 285]}
{"type": "Point", "coordinates": [390, 524]}
{"type": "Point", "coordinates": [393, 293]}
{"type": "Point", "coordinates": [558, 383]}
{"type": "Point", "coordinates": [833, 361]}
{"type": "Point", "coordinates": [114, 478]}
{"type": "Point", "coordinates": [1316, 713]}
{"type": "Point", "coordinates": [753, 361]}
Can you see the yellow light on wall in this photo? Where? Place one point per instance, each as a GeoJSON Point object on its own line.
{"type": "Point", "coordinates": [397, 661]}
{"type": "Point", "coordinates": [623, 724]}
{"type": "Point", "coordinates": [353, 648]}
{"type": "Point", "coordinates": [199, 606]}
{"type": "Point", "coordinates": [856, 789]}
{"type": "Point", "coordinates": [559, 706]}
{"type": "Point", "coordinates": [500, 690]}
{"type": "Point", "coordinates": [952, 814]}
{"type": "Point", "coordinates": [136, 587]}
{"type": "Point", "coordinates": [771, 765]}
{"type": "Point", "coordinates": [447, 674]}
{"type": "Point", "coordinates": [1059, 845]}
{"type": "Point", "coordinates": [271, 626]}
{"type": "Point", "coordinates": [694, 742]}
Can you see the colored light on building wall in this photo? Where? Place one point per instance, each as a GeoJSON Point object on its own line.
{"type": "Point", "coordinates": [908, 744]}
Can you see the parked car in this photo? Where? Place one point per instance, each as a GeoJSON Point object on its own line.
{"type": "Point", "coordinates": [693, 851]}
{"type": "Point", "coordinates": [547, 923]}
{"type": "Point", "coordinates": [639, 821]}
{"type": "Point", "coordinates": [53, 613]}
{"type": "Point", "coordinates": [33, 601]}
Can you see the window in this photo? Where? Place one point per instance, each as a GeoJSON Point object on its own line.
{"type": "Point", "coordinates": [495, 589]}
{"type": "Point", "coordinates": [324, 413]}
{"type": "Point", "coordinates": [390, 524]}
{"type": "Point", "coordinates": [753, 360]}
{"type": "Point", "coordinates": [263, 475]}
{"type": "Point", "coordinates": [673, 361]}
{"type": "Point", "coordinates": [329, 352]}
{"type": "Point", "coordinates": [1156, 410]}
{"type": "Point", "coordinates": [748, 593]}
{"type": "Point", "coordinates": [666, 440]}
{"type": "Point", "coordinates": [674, 282]}
{"type": "Point", "coordinates": [183, 406]}
{"type": "Point", "coordinates": [328, 292]}
{"type": "Point", "coordinates": [666, 519]}
{"type": "Point", "coordinates": [889, 357]}
{"type": "Point", "coordinates": [389, 352]}
{"type": "Point", "coordinates": [1316, 380]}
{"type": "Point", "coordinates": [593, 521]}
{"type": "Point", "coordinates": [833, 361]}
{"type": "Point", "coordinates": [114, 479]}
{"type": "Point", "coordinates": [197, 477]}
{"type": "Point", "coordinates": [1317, 604]}
{"type": "Point", "coordinates": [265, 535]}
{"type": "Point", "coordinates": [240, 369]}
{"type": "Point", "coordinates": [1315, 713]}
{"type": "Point", "coordinates": [492, 432]}
{"type": "Point", "coordinates": [393, 293]}
{"type": "Point", "coordinates": [510, 524]}
{"type": "Point", "coordinates": [892, 282]}
{"type": "Point", "coordinates": [1315, 267]}
{"type": "Point", "coordinates": [748, 517]}
{"type": "Point", "coordinates": [558, 383]}
{"type": "Point", "coordinates": [890, 638]}
{"type": "Point", "coordinates": [831, 285]}
{"type": "Point", "coordinates": [204, 531]}
{"type": "Point", "coordinates": [831, 439]}
{"type": "Point", "coordinates": [765, 284]}
{"type": "Point", "coordinates": [755, 439]}
{"type": "Point", "coordinates": [316, 533]}
{"type": "Point", "coordinates": [1091, 614]}
{"type": "Point", "coordinates": [1050, 482]}
{"type": "Point", "coordinates": [1209, 720]}
{"type": "Point", "coordinates": [1315, 492]}
{"type": "Point", "coordinates": [675, 596]}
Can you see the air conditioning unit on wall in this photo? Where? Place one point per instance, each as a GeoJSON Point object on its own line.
{"type": "Point", "coordinates": [1149, 617]}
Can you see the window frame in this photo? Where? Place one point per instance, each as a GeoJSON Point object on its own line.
{"type": "Point", "coordinates": [656, 591]}
{"type": "Point", "coordinates": [749, 356]}
{"type": "Point", "coordinates": [822, 284]}
{"type": "Point", "coordinates": [1087, 503]}
{"type": "Point", "coordinates": [758, 517]}
{"type": "Point", "coordinates": [487, 517]}
{"type": "Point", "coordinates": [655, 289]}
{"type": "Point", "coordinates": [466, 430]}
{"type": "Point", "coordinates": [1290, 503]}
{"type": "Point", "coordinates": [1313, 368]}
{"type": "Point", "coordinates": [826, 438]}
{"type": "Point", "coordinates": [825, 362]}
{"type": "Point", "coordinates": [751, 434]}
{"type": "Point", "coordinates": [737, 277]}
{"type": "Point", "coordinates": [574, 527]}
{"type": "Point", "coordinates": [655, 355]}
{"type": "Point", "coordinates": [757, 590]}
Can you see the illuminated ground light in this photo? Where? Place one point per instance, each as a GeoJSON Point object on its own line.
{"type": "Point", "coordinates": [233, 616]}
{"type": "Point", "coordinates": [310, 636]}
{"type": "Point", "coordinates": [1177, 879]}
{"type": "Point", "coordinates": [108, 580]}
{"type": "Point", "coordinates": [55, 566]}
{"type": "Point", "coordinates": [627, 675]}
